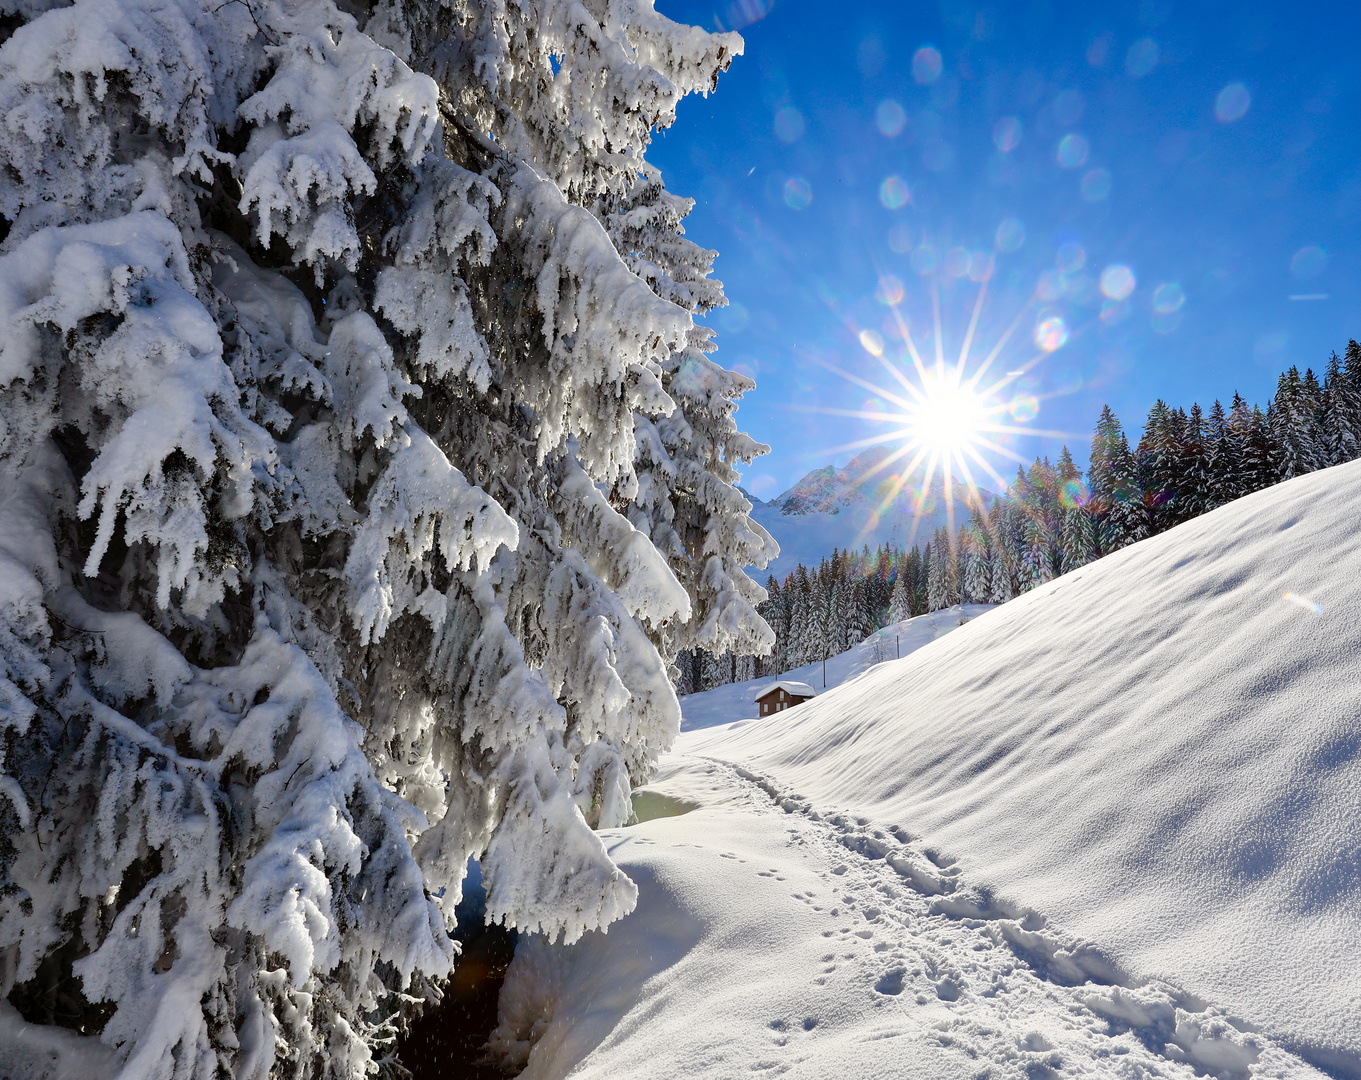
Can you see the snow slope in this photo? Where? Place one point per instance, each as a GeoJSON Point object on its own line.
{"type": "Point", "coordinates": [737, 701]}
{"type": "Point", "coordinates": [1111, 828]}
{"type": "Point", "coordinates": [840, 508]}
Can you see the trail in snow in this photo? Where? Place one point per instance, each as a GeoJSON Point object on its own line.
{"type": "Point", "coordinates": [994, 985]}
{"type": "Point", "coordinates": [774, 938]}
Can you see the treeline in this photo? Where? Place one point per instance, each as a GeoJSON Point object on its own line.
{"type": "Point", "coordinates": [1053, 519]}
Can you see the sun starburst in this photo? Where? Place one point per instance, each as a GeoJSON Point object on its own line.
{"type": "Point", "coordinates": [945, 416]}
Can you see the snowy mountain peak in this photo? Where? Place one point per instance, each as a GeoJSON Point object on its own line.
{"type": "Point", "coordinates": [871, 477]}
{"type": "Point", "coordinates": [866, 501]}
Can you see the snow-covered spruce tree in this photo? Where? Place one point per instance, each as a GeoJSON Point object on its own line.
{"type": "Point", "coordinates": [324, 366]}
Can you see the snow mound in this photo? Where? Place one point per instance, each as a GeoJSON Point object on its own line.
{"type": "Point", "coordinates": [1160, 752]}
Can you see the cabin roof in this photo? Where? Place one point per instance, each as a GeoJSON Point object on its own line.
{"type": "Point", "coordinates": [798, 689]}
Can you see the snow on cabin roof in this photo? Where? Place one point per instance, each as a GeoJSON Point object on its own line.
{"type": "Point", "coordinates": [798, 689]}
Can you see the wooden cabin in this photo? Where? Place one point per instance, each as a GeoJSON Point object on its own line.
{"type": "Point", "coordinates": [783, 695]}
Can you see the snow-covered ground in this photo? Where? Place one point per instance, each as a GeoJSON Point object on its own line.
{"type": "Point", "coordinates": [1112, 828]}
{"type": "Point", "coordinates": [737, 701]}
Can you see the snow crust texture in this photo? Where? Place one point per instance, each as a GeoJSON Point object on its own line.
{"type": "Point", "coordinates": [1108, 829]}
{"type": "Point", "coordinates": [1158, 751]}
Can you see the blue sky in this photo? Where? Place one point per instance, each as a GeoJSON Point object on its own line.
{"type": "Point", "coordinates": [1173, 192]}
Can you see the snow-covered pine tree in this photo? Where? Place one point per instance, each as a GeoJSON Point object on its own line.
{"type": "Point", "coordinates": [1235, 475]}
{"type": "Point", "coordinates": [686, 679]}
{"type": "Point", "coordinates": [800, 609]}
{"type": "Point", "coordinates": [1006, 523]}
{"type": "Point", "coordinates": [942, 583]}
{"type": "Point", "coordinates": [1107, 439]}
{"type": "Point", "coordinates": [1159, 460]}
{"type": "Point", "coordinates": [1292, 420]}
{"type": "Point", "coordinates": [976, 565]}
{"type": "Point", "coordinates": [1217, 453]}
{"type": "Point", "coordinates": [1037, 491]}
{"type": "Point", "coordinates": [1340, 408]}
{"type": "Point", "coordinates": [1262, 456]}
{"type": "Point", "coordinates": [1079, 542]}
{"type": "Point", "coordinates": [715, 669]}
{"type": "Point", "coordinates": [775, 611]}
{"type": "Point", "coordinates": [331, 336]}
{"type": "Point", "coordinates": [900, 604]}
{"type": "Point", "coordinates": [1129, 521]}
{"type": "Point", "coordinates": [1351, 370]}
{"type": "Point", "coordinates": [686, 499]}
{"type": "Point", "coordinates": [1195, 467]}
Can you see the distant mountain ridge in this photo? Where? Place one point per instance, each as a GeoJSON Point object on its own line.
{"type": "Point", "coordinates": [863, 502]}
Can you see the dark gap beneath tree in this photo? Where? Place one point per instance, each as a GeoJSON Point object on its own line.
{"type": "Point", "coordinates": [449, 1042]}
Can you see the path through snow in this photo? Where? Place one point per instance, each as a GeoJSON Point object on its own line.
{"type": "Point", "coordinates": [775, 938]}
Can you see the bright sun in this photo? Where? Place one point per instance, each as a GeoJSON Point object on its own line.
{"type": "Point", "coordinates": [944, 415]}
{"type": "Point", "coordinates": [949, 417]}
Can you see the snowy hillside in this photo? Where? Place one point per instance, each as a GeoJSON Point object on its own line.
{"type": "Point", "coordinates": [840, 508]}
{"type": "Point", "coordinates": [737, 701]}
{"type": "Point", "coordinates": [1112, 828]}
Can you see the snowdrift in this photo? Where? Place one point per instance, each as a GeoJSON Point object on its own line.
{"type": "Point", "coordinates": [1160, 752]}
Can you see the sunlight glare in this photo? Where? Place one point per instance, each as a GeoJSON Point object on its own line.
{"type": "Point", "coordinates": [949, 417]}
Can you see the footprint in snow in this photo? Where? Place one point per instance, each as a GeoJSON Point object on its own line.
{"type": "Point", "coordinates": [891, 982]}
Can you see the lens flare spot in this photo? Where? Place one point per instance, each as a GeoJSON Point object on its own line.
{"type": "Point", "coordinates": [1096, 185]}
{"type": "Point", "coordinates": [893, 193]}
{"type": "Point", "coordinates": [1010, 235]}
{"type": "Point", "coordinates": [1006, 134]}
{"type": "Point", "coordinates": [1023, 408]}
{"type": "Point", "coordinates": [957, 261]}
{"type": "Point", "coordinates": [1232, 103]}
{"type": "Point", "coordinates": [789, 125]}
{"type": "Point", "coordinates": [1072, 151]}
{"type": "Point", "coordinates": [1074, 493]}
{"type": "Point", "coordinates": [872, 342]}
{"type": "Point", "coordinates": [1114, 311]}
{"type": "Point", "coordinates": [1051, 286]}
{"type": "Point", "coordinates": [1303, 602]}
{"type": "Point", "coordinates": [1142, 57]}
{"type": "Point", "coordinates": [1051, 334]}
{"type": "Point", "coordinates": [797, 193]}
{"type": "Point", "coordinates": [1309, 262]}
{"type": "Point", "coordinates": [1168, 297]}
{"type": "Point", "coordinates": [1099, 49]}
{"type": "Point", "coordinates": [889, 291]}
{"type": "Point", "coordinates": [1117, 281]}
{"type": "Point", "coordinates": [927, 65]}
{"type": "Point", "coordinates": [981, 266]}
{"type": "Point", "coordinates": [1071, 258]}
{"type": "Point", "coordinates": [924, 259]}
{"type": "Point", "coordinates": [743, 13]}
{"type": "Point", "coordinates": [733, 318]}
{"type": "Point", "coordinates": [890, 118]}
